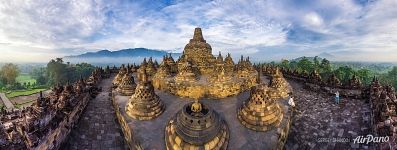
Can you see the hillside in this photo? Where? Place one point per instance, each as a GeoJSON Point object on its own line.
{"type": "Point", "coordinates": [132, 55]}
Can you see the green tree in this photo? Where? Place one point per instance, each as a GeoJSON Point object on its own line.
{"type": "Point", "coordinates": [325, 68]}
{"type": "Point", "coordinates": [305, 65]}
{"type": "Point", "coordinates": [392, 76]}
{"type": "Point", "coordinates": [56, 71]}
{"type": "Point", "coordinates": [1, 82]}
{"type": "Point", "coordinates": [9, 73]}
{"type": "Point", "coordinates": [316, 62]}
{"type": "Point", "coordinates": [365, 76]}
{"type": "Point", "coordinates": [293, 65]}
{"type": "Point", "coordinates": [285, 63]}
{"type": "Point", "coordinates": [84, 70]}
{"type": "Point", "coordinates": [344, 73]}
{"type": "Point", "coordinates": [40, 75]}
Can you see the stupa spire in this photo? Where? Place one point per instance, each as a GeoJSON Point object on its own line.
{"type": "Point", "coordinates": [198, 35]}
{"type": "Point", "coordinates": [144, 76]}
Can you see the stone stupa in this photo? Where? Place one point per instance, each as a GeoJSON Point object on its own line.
{"type": "Point", "coordinates": [144, 104]}
{"type": "Point", "coordinates": [160, 79]}
{"type": "Point", "coordinates": [279, 87]}
{"type": "Point", "coordinates": [196, 126]}
{"type": "Point", "coordinates": [199, 53]}
{"type": "Point", "coordinates": [141, 69]}
{"type": "Point", "coordinates": [127, 85]}
{"type": "Point", "coordinates": [186, 73]}
{"type": "Point", "coordinates": [198, 70]}
{"type": "Point", "coordinates": [222, 85]}
{"type": "Point", "coordinates": [119, 77]}
{"type": "Point", "coordinates": [260, 112]}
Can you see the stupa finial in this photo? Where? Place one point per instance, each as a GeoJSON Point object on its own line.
{"type": "Point", "coordinates": [198, 35]}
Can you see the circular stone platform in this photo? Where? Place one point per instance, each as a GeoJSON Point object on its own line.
{"type": "Point", "coordinates": [150, 134]}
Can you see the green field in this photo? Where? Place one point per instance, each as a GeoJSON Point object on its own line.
{"type": "Point", "coordinates": [25, 78]}
{"type": "Point", "coordinates": [23, 92]}
{"type": "Point", "coordinates": [25, 104]}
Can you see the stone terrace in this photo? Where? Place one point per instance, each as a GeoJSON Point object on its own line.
{"type": "Point", "coordinates": [319, 117]}
{"type": "Point", "coordinates": [97, 128]}
{"type": "Point", "coordinates": [150, 133]}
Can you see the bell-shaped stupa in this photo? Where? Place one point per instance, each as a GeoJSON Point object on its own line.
{"type": "Point", "coordinates": [279, 87]}
{"type": "Point", "coordinates": [127, 85]}
{"type": "Point", "coordinates": [260, 112]}
{"type": "Point", "coordinates": [119, 77]}
{"type": "Point", "coordinates": [144, 104]}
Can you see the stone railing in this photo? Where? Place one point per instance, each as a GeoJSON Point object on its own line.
{"type": "Point", "coordinates": [126, 130]}
{"type": "Point", "coordinates": [345, 91]}
{"type": "Point", "coordinates": [284, 132]}
{"type": "Point", "coordinates": [60, 122]}
{"type": "Point", "coordinates": [383, 120]}
{"type": "Point", "coordinates": [57, 137]}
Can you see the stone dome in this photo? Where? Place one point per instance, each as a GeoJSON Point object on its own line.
{"type": "Point", "coordinates": [260, 112]}
{"type": "Point", "coordinates": [144, 104]}
{"type": "Point", "coordinates": [196, 129]}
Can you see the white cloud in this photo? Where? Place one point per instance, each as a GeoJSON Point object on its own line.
{"type": "Point", "coordinates": [224, 28]}
{"type": "Point", "coordinates": [313, 19]}
{"type": "Point", "coordinates": [40, 30]}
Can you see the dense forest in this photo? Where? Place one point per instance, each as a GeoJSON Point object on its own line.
{"type": "Point", "coordinates": [387, 73]}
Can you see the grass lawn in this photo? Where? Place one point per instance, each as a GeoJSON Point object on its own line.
{"type": "Point", "coordinates": [23, 92]}
{"type": "Point", "coordinates": [25, 78]}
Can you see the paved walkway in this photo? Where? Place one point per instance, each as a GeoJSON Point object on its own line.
{"type": "Point", "coordinates": [97, 128]}
{"type": "Point", "coordinates": [319, 123]}
{"type": "Point", "coordinates": [6, 101]}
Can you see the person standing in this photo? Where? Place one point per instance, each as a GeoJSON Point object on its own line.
{"type": "Point", "coordinates": [337, 97]}
{"type": "Point", "coordinates": [291, 101]}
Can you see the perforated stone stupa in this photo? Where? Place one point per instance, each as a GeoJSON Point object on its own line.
{"type": "Point", "coordinates": [279, 87]}
{"type": "Point", "coordinates": [260, 112]}
{"type": "Point", "coordinates": [127, 85]}
{"type": "Point", "coordinates": [119, 77]}
{"type": "Point", "coordinates": [144, 104]}
{"type": "Point", "coordinates": [196, 126]}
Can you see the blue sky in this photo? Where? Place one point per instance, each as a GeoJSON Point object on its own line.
{"type": "Point", "coordinates": [356, 30]}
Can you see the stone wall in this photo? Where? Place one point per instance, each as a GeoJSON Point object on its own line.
{"type": "Point", "coordinates": [56, 137]}
{"type": "Point", "coordinates": [320, 87]}
{"type": "Point", "coordinates": [285, 130]}
{"type": "Point", "coordinates": [127, 132]}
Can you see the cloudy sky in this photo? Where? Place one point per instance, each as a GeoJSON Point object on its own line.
{"type": "Point", "coordinates": [359, 30]}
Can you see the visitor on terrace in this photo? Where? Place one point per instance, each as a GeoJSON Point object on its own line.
{"type": "Point", "coordinates": [291, 101]}
{"type": "Point", "coordinates": [337, 97]}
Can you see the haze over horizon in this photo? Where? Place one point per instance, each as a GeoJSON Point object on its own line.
{"type": "Point", "coordinates": [350, 30]}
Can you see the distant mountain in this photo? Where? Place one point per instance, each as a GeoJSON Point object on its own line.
{"type": "Point", "coordinates": [135, 52]}
{"type": "Point", "coordinates": [320, 57]}
{"type": "Point", "coordinates": [309, 58]}
{"type": "Point", "coordinates": [132, 55]}
{"type": "Point", "coordinates": [326, 55]}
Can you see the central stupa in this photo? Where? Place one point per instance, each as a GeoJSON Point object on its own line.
{"type": "Point", "coordinates": [198, 70]}
{"type": "Point", "coordinates": [199, 53]}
